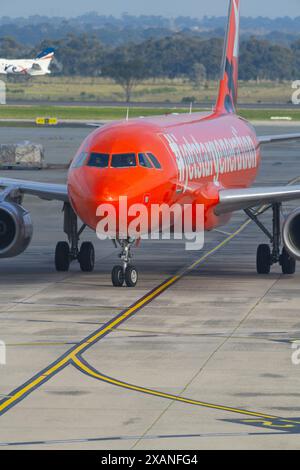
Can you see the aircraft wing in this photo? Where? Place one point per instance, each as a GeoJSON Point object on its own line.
{"type": "Point", "coordinates": [231, 200]}
{"type": "Point", "coordinates": [47, 191]}
{"type": "Point", "coordinates": [271, 139]}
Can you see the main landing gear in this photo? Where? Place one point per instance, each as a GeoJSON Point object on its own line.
{"type": "Point", "coordinates": [66, 252]}
{"type": "Point", "coordinates": [268, 255]}
{"type": "Point", "coordinates": [126, 273]}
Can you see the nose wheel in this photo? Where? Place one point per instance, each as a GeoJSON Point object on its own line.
{"type": "Point", "coordinates": [126, 273]}
{"type": "Point", "coordinates": [130, 277]}
{"type": "Point", "coordinates": [117, 276]}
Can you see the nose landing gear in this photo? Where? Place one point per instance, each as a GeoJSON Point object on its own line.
{"type": "Point", "coordinates": [125, 273]}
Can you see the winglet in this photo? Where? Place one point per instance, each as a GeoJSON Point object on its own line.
{"type": "Point", "coordinates": [227, 98]}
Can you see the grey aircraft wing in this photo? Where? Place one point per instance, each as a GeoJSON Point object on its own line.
{"type": "Point", "coordinates": [272, 139]}
{"type": "Point", "coordinates": [47, 191]}
{"type": "Point", "coordinates": [231, 200]}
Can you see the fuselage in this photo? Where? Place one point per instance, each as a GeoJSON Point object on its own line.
{"type": "Point", "coordinates": [23, 67]}
{"type": "Point", "coordinates": [198, 155]}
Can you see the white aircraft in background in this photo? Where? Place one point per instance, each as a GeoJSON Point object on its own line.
{"type": "Point", "coordinates": [33, 67]}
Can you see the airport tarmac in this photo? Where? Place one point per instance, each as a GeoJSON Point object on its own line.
{"type": "Point", "coordinates": [199, 360]}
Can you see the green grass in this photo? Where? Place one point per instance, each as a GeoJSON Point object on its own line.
{"type": "Point", "coordinates": [112, 113]}
{"type": "Point", "coordinates": [56, 88]}
{"type": "Point", "coordinates": [79, 112]}
{"type": "Point", "coordinates": [266, 114]}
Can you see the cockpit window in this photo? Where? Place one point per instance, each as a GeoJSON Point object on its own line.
{"type": "Point", "coordinates": [144, 161]}
{"type": "Point", "coordinates": [154, 160]}
{"type": "Point", "coordinates": [79, 160]}
{"type": "Point", "coordinates": [123, 160]}
{"type": "Point", "coordinates": [98, 160]}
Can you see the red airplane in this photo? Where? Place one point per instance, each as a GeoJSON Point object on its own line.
{"type": "Point", "coordinates": [199, 158]}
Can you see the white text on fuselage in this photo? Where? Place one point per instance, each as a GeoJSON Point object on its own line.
{"type": "Point", "coordinates": [196, 160]}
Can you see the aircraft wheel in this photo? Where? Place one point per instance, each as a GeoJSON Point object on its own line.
{"type": "Point", "coordinates": [131, 276]}
{"type": "Point", "coordinates": [263, 259]}
{"type": "Point", "coordinates": [117, 276]}
{"type": "Point", "coordinates": [288, 264]}
{"type": "Point", "coordinates": [86, 257]}
{"type": "Point", "coordinates": [62, 257]}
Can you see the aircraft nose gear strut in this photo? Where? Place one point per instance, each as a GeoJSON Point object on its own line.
{"type": "Point", "coordinates": [66, 252]}
{"type": "Point", "coordinates": [125, 273]}
{"type": "Point", "coordinates": [266, 256]}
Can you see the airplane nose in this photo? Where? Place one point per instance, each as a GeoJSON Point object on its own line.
{"type": "Point", "coordinates": [112, 210]}
{"type": "Point", "coordinates": [91, 187]}
{"type": "Point", "coordinates": [89, 192]}
{"type": "Point", "coordinates": [111, 191]}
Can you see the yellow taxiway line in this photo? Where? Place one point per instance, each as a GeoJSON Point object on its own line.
{"type": "Point", "coordinates": [88, 370]}
{"type": "Point", "coordinates": [21, 392]}
{"type": "Point", "coordinates": [71, 356]}
{"type": "Point", "coordinates": [261, 419]}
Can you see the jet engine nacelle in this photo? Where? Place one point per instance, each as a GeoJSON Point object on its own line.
{"type": "Point", "coordinates": [291, 234]}
{"type": "Point", "coordinates": [15, 229]}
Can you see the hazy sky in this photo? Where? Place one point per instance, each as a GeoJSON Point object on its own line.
{"type": "Point", "coordinates": [196, 8]}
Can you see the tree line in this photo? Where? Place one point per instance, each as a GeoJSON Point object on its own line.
{"type": "Point", "coordinates": [117, 31]}
{"type": "Point", "coordinates": [174, 56]}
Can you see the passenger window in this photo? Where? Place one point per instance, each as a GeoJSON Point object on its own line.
{"type": "Point", "coordinates": [144, 161]}
{"type": "Point", "coordinates": [79, 160]}
{"type": "Point", "coordinates": [98, 160]}
{"type": "Point", "coordinates": [154, 160]}
{"type": "Point", "coordinates": [123, 160]}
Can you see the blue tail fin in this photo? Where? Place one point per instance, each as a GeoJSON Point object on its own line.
{"type": "Point", "coordinates": [46, 53]}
